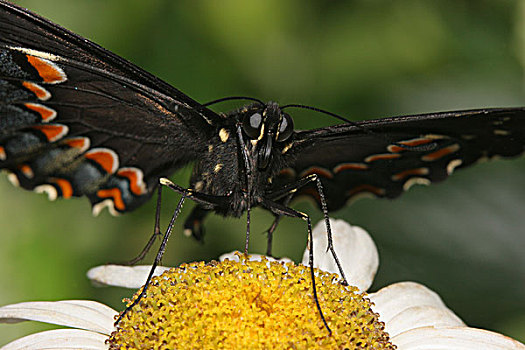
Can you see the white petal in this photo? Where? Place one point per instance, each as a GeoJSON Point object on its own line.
{"type": "Point", "coordinates": [407, 305]}
{"type": "Point", "coordinates": [422, 316]}
{"type": "Point", "coordinates": [122, 276]}
{"type": "Point", "coordinates": [354, 248]}
{"type": "Point", "coordinates": [63, 339]}
{"type": "Point", "coordinates": [252, 257]}
{"type": "Point", "coordinates": [80, 314]}
{"type": "Point", "coordinates": [454, 338]}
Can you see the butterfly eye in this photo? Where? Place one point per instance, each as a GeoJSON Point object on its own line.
{"type": "Point", "coordinates": [285, 129]}
{"type": "Point", "coordinates": [252, 125]}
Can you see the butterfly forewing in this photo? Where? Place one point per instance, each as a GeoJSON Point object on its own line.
{"type": "Point", "coordinates": [78, 120]}
{"type": "Point", "coordinates": [385, 157]}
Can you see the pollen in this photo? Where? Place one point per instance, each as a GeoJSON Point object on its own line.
{"type": "Point", "coordinates": [249, 305]}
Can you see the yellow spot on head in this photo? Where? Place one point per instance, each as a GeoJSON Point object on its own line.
{"type": "Point", "coordinates": [224, 135]}
{"type": "Point", "coordinates": [261, 134]}
{"type": "Point", "coordinates": [199, 185]}
{"type": "Point", "coordinates": [286, 148]}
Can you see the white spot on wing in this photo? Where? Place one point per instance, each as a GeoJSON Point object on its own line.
{"type": "Point", "coordinates": [453, 165]}
{"type": "Point", "coordinates": [41, 54]}
{"type": "Point", "coordinates": [415, 181]}
{"type": "Point", "coordinates": [500, 132]}
{"type": "Point", "coordinates": [97, 208]}
{"type": "Point", "coordinates": [51, 191]}
{"type": "Point", "coordinates": [13, 179]}
{"type": "Point", "coordinates": [361, 195]}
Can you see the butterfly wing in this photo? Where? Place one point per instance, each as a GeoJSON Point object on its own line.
{"type": "Point", "coordinates": [78, 120]}
{"type": "Point", "coordinates": [385, 157]}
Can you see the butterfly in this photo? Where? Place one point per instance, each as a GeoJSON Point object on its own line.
{"type": "Point", "coordinates": [77, 120]}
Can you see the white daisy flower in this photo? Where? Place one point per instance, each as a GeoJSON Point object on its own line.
{"type": "Point", "coordinates": [247, 304]}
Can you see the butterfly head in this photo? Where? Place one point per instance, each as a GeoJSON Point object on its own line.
{"type": "Point", "coordinates": [266, 127]}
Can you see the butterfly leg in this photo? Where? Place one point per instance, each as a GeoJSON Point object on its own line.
{"type": "Point", "coordinates": [272, 228]}
{"type": "Point", "coordinates": [281, 210]}
{"type": "Point", "coordinates": [200, 198]}
{"type": "Point", "coordinates": [156, 232]}
{"type": "Point", "coordinates": [158, 258]}
{"type": "Point", "coordinates": [292, 189]}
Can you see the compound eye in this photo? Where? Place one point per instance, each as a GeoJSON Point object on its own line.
{"type": "Point", "coordinates": [285, 129]}
{"type": "Point", "coordinates": [252, 125]}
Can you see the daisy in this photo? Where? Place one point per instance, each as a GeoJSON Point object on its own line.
{"type": "Point", "coordinates": [260, 303]}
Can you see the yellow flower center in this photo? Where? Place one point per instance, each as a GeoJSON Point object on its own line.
{"type": "Point", "coordinates": [249, 305]}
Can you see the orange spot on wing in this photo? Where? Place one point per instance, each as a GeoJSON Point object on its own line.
{"type": "Point", "coordinates": [3, 156]}
{"type": "Point", "coordinates": [46, 113]}
{"type": "Point", "coordinates": [115, 195]}
{"type": "Point", "coordinates": [350, 166]}
{"type": "Point", "coordinates": [136, 183]}
{"type": "Point", "coordinates": [440, 153]}
{"type": "Point", "coordinates": [106, 158]}
{"type": "Point", "coordinates": [26, 170]}
{"type": "Point", "coordinates": [410, 143]}
{"type": "Point", "coordinates": [48, 71]}
{"type": "Point", "coordinates": [385, 156]}
{"type": "Point", "coordinates": [65, 187]}
{"type": "Point", "coordinates": [40, 92]}
{"type": "Point", "coordinates": [319, 171]}
{"type": "Point", "coordinates": [410, 172]}
{"type": "Point", "coordinates": [53, 132]}
{"type": "Point", "coordinates": [82, 143]}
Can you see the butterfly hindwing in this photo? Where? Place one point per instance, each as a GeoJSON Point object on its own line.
{"type": "Point", "coordinates": [385, 157]}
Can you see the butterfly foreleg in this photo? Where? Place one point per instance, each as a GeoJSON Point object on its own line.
{"type": "Point", "coordinates": [291, 190]}
{"type": "Point", "coordinates": [200, 198]}
{"type": "Point", "coordinates": [281, 210]}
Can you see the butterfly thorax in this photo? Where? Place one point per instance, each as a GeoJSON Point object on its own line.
{"type": "Point", "coordinates": [243, 156]}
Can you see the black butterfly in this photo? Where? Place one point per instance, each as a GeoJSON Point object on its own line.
{"type": "Point", "coordinates": [78, 120]}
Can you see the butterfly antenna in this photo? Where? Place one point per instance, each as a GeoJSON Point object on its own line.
{"type": "Point", "coordinates": [231, 98]}
{"type": "Point", "coordinates": [423, 148]}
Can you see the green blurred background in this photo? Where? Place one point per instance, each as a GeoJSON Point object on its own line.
{"type": "Point", "coordinates": [464, 238]}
